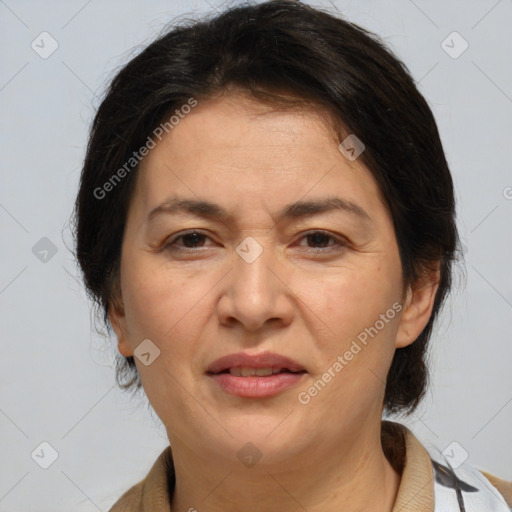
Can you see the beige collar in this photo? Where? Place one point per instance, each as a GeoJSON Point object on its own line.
{"type": "Point", "coordinates": [416, 490]}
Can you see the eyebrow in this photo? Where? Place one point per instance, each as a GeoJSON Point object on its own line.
{"type": "Point", "coordinates": [209, 210]}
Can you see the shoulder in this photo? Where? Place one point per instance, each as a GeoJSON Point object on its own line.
{"type": "Point", "coordinates": [440, 481]}
{"type": "Point", "coordinates": [152, 494]}
{"type": "Point", "coordinates": [504, 487]}
{"type": "Point", "coordinates": [131, 500]}
{"type": "Point", "coordinates": [462, 485]}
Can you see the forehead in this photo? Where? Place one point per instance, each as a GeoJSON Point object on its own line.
{"type": "Point", "coordinates": [239, 150]}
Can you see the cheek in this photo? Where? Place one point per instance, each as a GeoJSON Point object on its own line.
{"type": "Point", "coordinates": [345, 303]}
{"type": "Point", "coordinates": [360, 311]}
{"type": "Point", "coordinates": [165, 307]}
{"type": "Point", "coordinates": [171, 307]}
{"type": "Point", "coordinates": [160, 304]}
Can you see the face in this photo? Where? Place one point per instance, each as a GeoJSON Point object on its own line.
{"type": "Point", "coordinates": [262, 266]}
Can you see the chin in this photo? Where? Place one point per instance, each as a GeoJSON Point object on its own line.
{"type": "Point", "coordinates": [264, 439]}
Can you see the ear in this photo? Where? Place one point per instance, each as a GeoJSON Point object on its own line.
{"type": "Point", "coordinates": [117, 319]}
{"type": "Point", "coordinates": [418, 306]}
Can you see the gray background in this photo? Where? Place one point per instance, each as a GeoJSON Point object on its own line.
{"type": "Point", "coordinates": [57, 379]}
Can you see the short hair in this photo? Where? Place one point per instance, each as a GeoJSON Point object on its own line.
{"type": "Point", "coordinates": [286, 54]}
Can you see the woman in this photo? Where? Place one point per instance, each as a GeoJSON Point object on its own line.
{"type": "Point", "coordinates": [267, 219]}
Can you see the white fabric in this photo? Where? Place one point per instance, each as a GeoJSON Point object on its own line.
{"type": "Point", "coordinates": [463, 488]}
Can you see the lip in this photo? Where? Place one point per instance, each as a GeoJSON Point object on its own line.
{"type": "Point", "coordinates": [263, 360]}
{"type": "Point", "coordinates": [255, 386]}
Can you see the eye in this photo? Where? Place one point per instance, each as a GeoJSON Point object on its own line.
{"type": "Point", "coordinates": [190, 239]}
{"type": "Point", "coordinates": [320, 241]}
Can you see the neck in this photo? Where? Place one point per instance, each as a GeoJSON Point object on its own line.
{"type": "Point", "coordinates": [351, 476]}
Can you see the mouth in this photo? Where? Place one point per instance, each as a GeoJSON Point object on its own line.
{"type": "Point", "coordinates": [247, 371]}
{"type": "Point", "coordinates": [255, 376]}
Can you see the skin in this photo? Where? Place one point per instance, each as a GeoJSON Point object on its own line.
{"type": "Point", "coordinates": [305, 299]}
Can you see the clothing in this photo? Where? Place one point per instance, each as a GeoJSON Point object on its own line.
{"type": "Point", "coordinates": [428, 483]}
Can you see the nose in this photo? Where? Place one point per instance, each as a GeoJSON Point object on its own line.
{"type": "Point", "coordinates": [255, 293]}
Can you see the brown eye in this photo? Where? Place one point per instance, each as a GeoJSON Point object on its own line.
{"type": "Point", "coordinates": [192, 239]}
{"type": "Point", "coordinates": [321, 240]}
{"type": "Point", "coordinates": [184, 241]}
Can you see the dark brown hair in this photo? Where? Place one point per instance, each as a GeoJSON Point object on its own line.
{"type": "Point", "coordinates": [275, 51]}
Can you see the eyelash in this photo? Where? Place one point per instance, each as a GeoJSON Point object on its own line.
{"type": "Point", "coordinates": [171, 244]}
